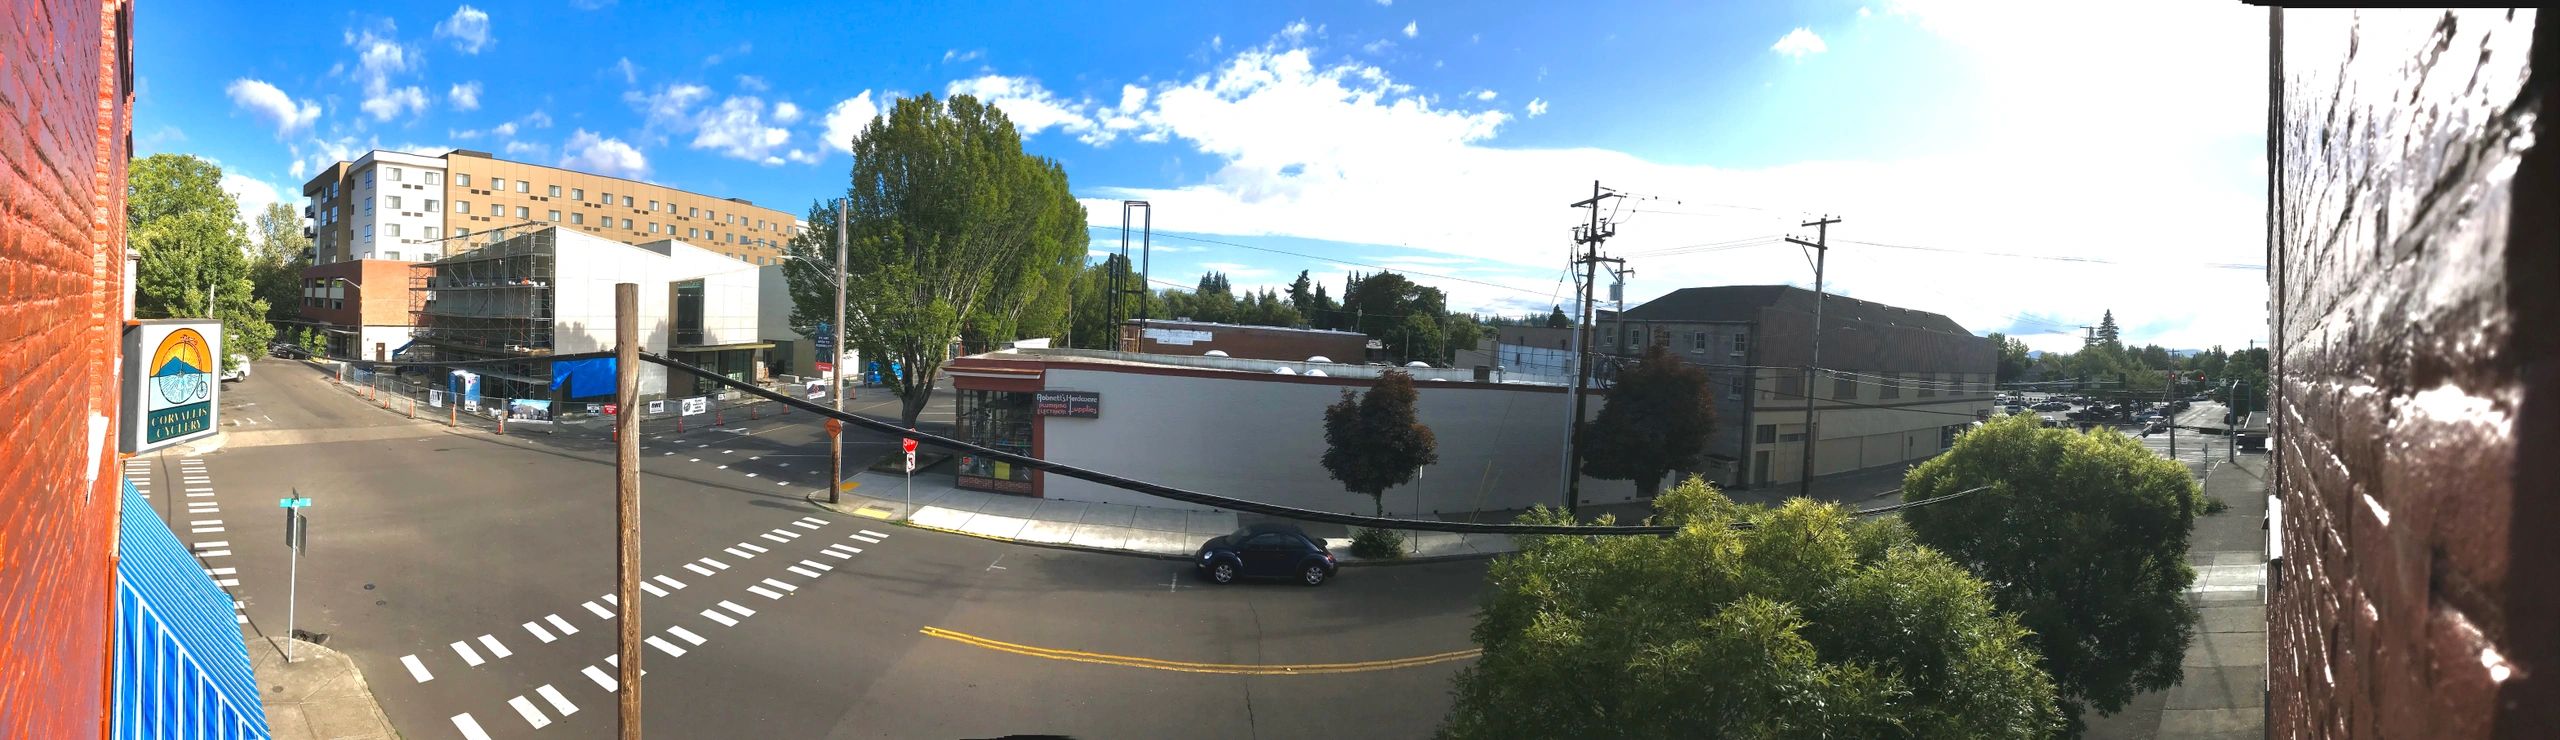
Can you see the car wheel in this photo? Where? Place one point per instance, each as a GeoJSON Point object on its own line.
{"type": "Point", "coordinates": [1223, 572]}
{"type": "Point", "coordinates": [1314, 575]}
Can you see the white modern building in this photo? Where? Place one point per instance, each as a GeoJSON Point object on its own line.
{"type": "Point", "coordinates": [550, 291]}
{"type": "Point", "coordinates": [385, 205]}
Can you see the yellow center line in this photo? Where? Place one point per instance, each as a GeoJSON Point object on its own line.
{"type": "Point", "coordinates": [1243, 669]}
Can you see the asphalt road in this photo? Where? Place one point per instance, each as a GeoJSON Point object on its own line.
{"type": "Point", "coordinates": [470, 561]}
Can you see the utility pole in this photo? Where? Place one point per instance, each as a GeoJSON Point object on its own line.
{"type": "Point", "coordinates": [626, 463]}
{"type": "Point", "coordinates": [1146, 257]}
{"type": "Point", "coordinates": [1589, 236]}
{"type": "Point", "coordinates": [835, 387]}
{"type": "Point", "coordinates": [1821, 255]}
{"type": "Point", "coordinates": [2168, 405]}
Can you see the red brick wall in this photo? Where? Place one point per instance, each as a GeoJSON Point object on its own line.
{"type": "Point", "coordinates": [65, 135]}
{"type": "Point", "coordinates": [2414, 251]}
{"type": "Point", "coordinates": [381, 297]}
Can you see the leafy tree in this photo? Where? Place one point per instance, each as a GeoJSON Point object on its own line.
{"type": "Point", "coordinates": [1462, 331]}
{"type": "Point", "coordinates": [1373, 441]}
{"type": "Point", "coordinates": [2013, 362]}
{"type": "Point", "coordinates": [188, 231]}
{"type": "Point", "coordinates": [1302, 294]}
{"type": "Point", "coordinates": [2246, 368]}
{"type": "Point", "coordinates": [1557, 320]}
{"type": "Point", "coordinates": [1655, 420]}
{"type": "Point", "coordinates": [2084, 537]}
{"type": "Point", "coordinates": [1092, 316]}
{"type": "Point", "coordinates": [2107, 333]}
{"type": "Point", "coordinates": [277, 259]}
{"type": "Point", "coordinates": [1749, 622]}
{"type": "Point", "coordinates": [953, 230]}
{"type": "Point", "coordinates": [1401, 314]}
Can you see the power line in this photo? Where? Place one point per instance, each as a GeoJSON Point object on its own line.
{"type": "Point", "coordinates": [2048, 257]}
{"type": "Point", "coordinates": [1169, 235]}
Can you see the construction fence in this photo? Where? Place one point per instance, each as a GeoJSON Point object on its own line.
{"type": "Point", "coordinates": [425, 394]}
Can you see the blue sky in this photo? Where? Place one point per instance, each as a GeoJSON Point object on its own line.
{"type": "Point", "coordinates": [1432, 137]}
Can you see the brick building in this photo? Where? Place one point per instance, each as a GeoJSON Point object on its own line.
{"type": "Point", "coordinates": [2412, 243]}
{"type": "Point", "coordinates": [360, 323]}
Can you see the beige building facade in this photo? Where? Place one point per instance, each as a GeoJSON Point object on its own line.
{"type": "Point", "coordinates": [406, 207]}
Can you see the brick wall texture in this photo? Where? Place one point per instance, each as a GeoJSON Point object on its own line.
{"type": "Point", "coordinates": [2414, 257]}
{"type": "Point", "coordinates": [65, 123]}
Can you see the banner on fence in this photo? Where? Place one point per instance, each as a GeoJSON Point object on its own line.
{"type": "Point", "coordinates": [435, 398]}
{"type": "Point", "coordinates": [536, 410]}
{"type": "Point", "coordinates": [817, 390]}
{"type": "Point", "coordinates": [657, 407]}
{"type": "Point", "coordinates": [697, 406]}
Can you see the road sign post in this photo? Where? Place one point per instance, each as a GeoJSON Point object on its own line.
{"type": "Point", "coordinates": [835, 460]}
{"type": "Point", "coordinates": [297, 531]}
{"type": "Point", "coordinates": [909, 483]}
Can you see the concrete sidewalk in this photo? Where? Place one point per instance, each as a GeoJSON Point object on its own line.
{"type": "Point", "coordinates": [2223, 694]}
{"type": "Point", "coordinates": [320, 695]}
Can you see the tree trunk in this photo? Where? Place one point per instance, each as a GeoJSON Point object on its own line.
{"type": "Point", "coordinates": [912, 404]}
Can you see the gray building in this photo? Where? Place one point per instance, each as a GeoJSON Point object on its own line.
{"type": "Point", "coordinates": [1895, 384]}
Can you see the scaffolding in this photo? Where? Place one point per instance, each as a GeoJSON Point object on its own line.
{"type": "Point", "coordinates": [493, 300]}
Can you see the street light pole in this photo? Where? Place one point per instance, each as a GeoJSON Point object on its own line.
{"type": "Point", "coordinates": [835, 344]}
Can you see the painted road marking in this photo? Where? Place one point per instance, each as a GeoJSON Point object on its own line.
{"type": "Point", "coordinates": [865, 540]}
{"type": "Point", "coordinates": [782, 483]}
{"type": "Point", "coordinates": [786, 533]}
{"type": "Point", "coordinates": [212, 553]}
{"type": "Point", "coordinates": [600, 612]}
{"type": "Point", "coordinates": [538, 632]}
{"type": "Point", "coordinates": [737, 553]}
{"type": "Point", "coordinates": [693, 459]}
{"type": "Point", "coordinates": [532, 716]}
{"type": "Point", "coordinates": [671, 583]}
{"type": "Point", "coordinates": [495, 650]}
{"type": "Point", "coordinates": [814, 520]}
{"type": "Point", "coordinates": [417, 669]}
{"type": "Point", "coordinates": [214, 543]}
{"type": "Point", "coordinates": [612, 599]}
{"type": "Point", "coordinates": [875, 534]}
{"type": "Point", "coordinates": [804, 572]}
{"type": "Point", "coordinates": [713, 563]}
{"type": "Point", "coordinates": [751, 475]}
{"type": "Point", "coordinates": [1249, 669]}
{"type": "Point", "coordinates": [804, 525]}
{"type": "Point", "coordinates": [723, 467]}
{"type": "Point", "coordinates": [780, 585]}
{"type": "Point", "coordinates": [205, 522]}
{"type": "Point", "coordinates": [227, 582]}
{"type": "Point", "coordinates": [817, 565]}
{"type": "Point", "coordinates": [469, 657]}
{"type": "Point", "coordinates": [204, 530]}
{"type": "Point", "coordinates": [558, 703]}
{"type": "Point", "coordinates": [697, 569]}
{"type": "Point", "coordinates": [200, 495]}
{"type": "Point", "coordinates": [834, 554]}
{"type": "Point", "coordinates": [761, 591]}
{"type": "Point", "coordinates": [220, 571]}
{"type": "Point", "coordinates": [652, 588]}
{"type": "Point", "coordinates": [197, 489]}
{"type": "Point", "coordinates": [848, 549]}
{"type": "Point", "coordinates": [665, 647]}
{"type": "Point", "coordinates": [758, 549]}
{"type": "Point", "coordinates": [742, 611]}
{"type": "Point", "coordinates": [602, 681]}
{"type": "Point", "coordinates": [687, 634]}
{"type": "Point", "coordinates": [716, 616]}
{"type": "Point", "coordinates": [470, 728]}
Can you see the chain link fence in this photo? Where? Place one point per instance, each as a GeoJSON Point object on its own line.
{"type": "Point", "coordinates": [421, 393]}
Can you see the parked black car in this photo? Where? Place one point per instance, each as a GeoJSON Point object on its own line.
{"type": "Point", "coordinates": [1265, 551]}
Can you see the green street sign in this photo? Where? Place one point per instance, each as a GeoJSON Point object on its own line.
{"type": "Point", "coordinates": [293, 503]}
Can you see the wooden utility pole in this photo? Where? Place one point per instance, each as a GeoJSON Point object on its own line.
{"type": "Point", "coordinates": [835, 433]}
{"type": "Point", "coordinates": [1589, 236]}
{"type": "Point", "coordinates": [626, 464]}
{"type": "Point", "coordinates": [1821, 252]}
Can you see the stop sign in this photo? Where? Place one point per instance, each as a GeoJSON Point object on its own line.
{"type": "Point", "coordinates": [909, 444]}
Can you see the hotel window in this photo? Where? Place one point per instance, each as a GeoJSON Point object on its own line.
{"type": "Point", "coordinates": [653, 228]}
{"type": "Point", "coordinates": [1741, 342]}
{"type": "Point", "coordinates": [1928, 387]}
{"type": "Point", "coordinates": [368, 178]}
{"type": "Point", "coordinates": [1697, 341]}
{"type": "Point", "coordinates": [1844, 388]}
{"type": "Point", "coordinates": [1790, 386]}
{"type": "Point", "coordinates": [435, 206]}
{"type": "Point", "coordinates": [498, 183]}
{"type": "Point", "coordinates": [435, 232]}
{"type": "Point", "coordinates": [395, 174]}
{"type": "Point", "coordinates": [390, 229]}
{"type": "Point", "coordinates": [523, 186]}
{"type": "Point", "coordinates": [460, 180]}
{"type": "Point", "coordinates": [555, 191]}
{"type": "Point", "coordinates": [626, 201]}
{"type": "Point", "coordinates": [393, 201]}
{"type": "Point", "coordinates": [368, 232]}
{"type": "Point", "coordinates": [693, 233]}
{"type": "Point", "coordinates": [435, 178]}
{"type": "Point", "coordinates": [692, 212]}
{"type": "Point", "coordinates": [1766, 434]}
{"type": "Point", "coordinates": [459, 232]}
{"type": "Point", "coordinates": [626, 224]}
{"type": "Point", "coordinates": [577, 218]}
{"type": "Point", "coordinates": [368, 207]}
{"type": "Point", "coordinates": [653, 206]}
{"type": "Point", "coordinates": [524, 213]}
{"type": "Point", "coordinates": [462, 206]}
{"type": "Point", "coordinates": [555, 217]}
{"type": "Point", "coordinates": [1892, 387]}
{"type": "Point", "coordinates": [393, 256]}
{"type": "Point", "coordinates": [608, 197]}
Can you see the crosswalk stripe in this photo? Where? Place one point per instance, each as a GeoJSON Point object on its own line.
{"type": "Point", "coordinates": [740, 554]}
{"type": "Point", "coordinates": [558, 703]}
{"type": "Point", "coordinates": [561, 624]}
{"type": "Point", "coordinates": [602, 681]}
{"type": "Point", "coordinates": [742, 611]}
{"type": "Point", "coordinates": [664, 646]}
{"type": "Point", "coordinates": [495, 650]}
{"type": "Point", "coordinates": [814, 520]}
{"type": "Point", "coordinates": [671, 583]}
{"type": "Point", "coordinates": [417, 669]}
{"type": "Point", "coordinates": [227, 582]}
{"type": "Point", "coordinates": [804, 572]}
{"type": "Point", "coordinates": [686, 634]}
{"type": "Point", "coordinates": [600, 612]}
{"type": "Point", "coordinates": [805, 525]}
{"type": "Point", "coordinates": [864, 540]}
{"type": "Point", "coordinates": [780, 585]}
{"type": "Point", "coordinates": [469, 656]}
{"type": "Point", "coordinates": [817, 565]}
{"type": "Point", "coordinates": [848, 549]}
{"type": "Point", "coordinates": [770, 536]}
{"type": "Point", "coordinates": [875, 534]}
{"type": "Point", "coordinates": [714, 563]}
{"type": "Point", "coordinates": [213, 543]}
{"type": "Point", "coordinates": [762, 591]}
{"type": "Point", "coordinates": [652, 588]}
{"type": "Point", "coordinates": [834, 554]}
{"type": "Point", "coordinates": [758, 550]}
{"type": "Point", "coordinates": [786, 533]}
{"type": "Point", "coordinates": [538, 632]}
{"type": "Point", "coordinates": [716, 616]}
{"type": "Point", "coordinates": [469, 727]}
{"type": "Point", "coordinates": [697, 569]}
{"type": "Point", "coordinates": [212, 553]}
{"type": "Point", "coordinates": [532, 716]}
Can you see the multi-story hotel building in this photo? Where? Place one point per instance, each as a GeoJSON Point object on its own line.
{"type": "Point", "coordinates": [397, 207]}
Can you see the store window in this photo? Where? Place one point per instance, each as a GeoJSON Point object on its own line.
{"type": "Point", "coordinates": [1000, 420]}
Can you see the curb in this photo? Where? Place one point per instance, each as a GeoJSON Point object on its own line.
{"type": "Point", "coordinates": [206, 446]}
{"type": "Point", "coordinates": [1343, 562]}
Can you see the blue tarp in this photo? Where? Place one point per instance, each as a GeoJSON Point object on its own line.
{"type": "Point", "coordinates": [585, 378]}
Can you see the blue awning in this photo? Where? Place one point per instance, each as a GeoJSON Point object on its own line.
{"type": "Point", "coordinates": [182, 666]}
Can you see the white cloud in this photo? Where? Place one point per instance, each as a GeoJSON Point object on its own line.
{"type": "Point", "coordinates": [1482, 95]}
{"type": "Point", "coordinates": [950, 56]}
{"type": "Point", "coordinates": [1412, 29]}
{"type": "Point", "coordinates": [254, 196]}
{"type": "Point", "coordinates": [670, 109]}
{"type": "Point", "coordinates": [526, 149]}
{"type": "Point", "coordinates": [1386, 3]}
{"type": "Point", "coordinates": [786, 112]}
{"type": "Point", "coordinates": [1295, 32]}
{"type": "Point", "coordinates": [630, 72]}
{"type": "Point", "coordinates": [469, 29]}
{"type": "Point", "coordinates": [1033, 108]}
{"type": "Point", "coordinates": [504, 130]}
{"type": "Point", "coordinates": [752, 83]}
{"type": "Point", "coordinates": [263, 100]}
{"type": "Point", "coordinates": [389, 103]}
{"type": "Point", "coordinates": [1536, 107]}
{"type": "Point", "coordinates": [1378, 47]}
{"type": "Point", "coordinates": [736, 128]}
{"type": "Point", "coordinates": [297, 169]}
{"type": "Point", "coordinates": [588, 152]}
{"type": "Point", "coordinates": [844, 122]}
{"type": "Point", "coordinates": [465, 96]}
{"type": "Point", "coordinates": [538, 119]}
{"type": "Point", "coordinates": [1798, 43]}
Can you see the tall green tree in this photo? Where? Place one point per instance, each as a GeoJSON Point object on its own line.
{"type": "Point", "coordinates": [2084, 537]}
{"type": "Point", "coordinates": [193, 249]}
{"type": "Point", "coordinates": [1302, 294]}
{"type": "Point", "coordinates": [276, 261]}
{"type": "Point", "coordinates": [1655, 420]}
{"type": "Point", "coordinates": [1749, 622]}
{"type": "Point", "coordinates": [2013, 361]}
{"type": "Point", "coordinates": [1374, 441]}
{"type": "Point", "coordinates": [2107, 333]}
{"type": "Point", "coordinates": [1093, 304]}
{"type": "Point", "coordinates": [1557, 320]}
{"type": "Point", "coordinates": [953, 231]}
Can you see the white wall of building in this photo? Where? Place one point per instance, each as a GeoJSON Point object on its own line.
{"type": "Point", "coordinates": [1258, 439]}
{"type": "Point", "coordinates": [401, 231]}
{"type": "Point", "coordinates": [587, 268]}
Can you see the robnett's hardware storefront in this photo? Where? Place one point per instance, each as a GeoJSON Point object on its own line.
{"type": "Point", "coordinates": [1005, 408]}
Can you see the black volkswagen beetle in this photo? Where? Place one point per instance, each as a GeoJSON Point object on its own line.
{"type": "Point", "coordinates": [1265, 551]}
